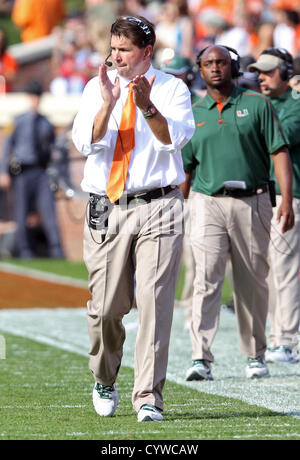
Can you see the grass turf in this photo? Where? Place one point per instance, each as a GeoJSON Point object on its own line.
{"type": "Point", "coordinates": [58, 266]}
{"type": "Point", "coordinates": [78, 270]}
{"type": "Point", "coordinates": [45, 393]}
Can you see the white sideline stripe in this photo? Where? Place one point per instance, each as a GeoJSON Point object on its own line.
{"type": "Point", "coordinates": [41, 275]}
{"type": "Point", "coordinates": [66, 329]}
{"type": "Point", "coordinates": [46, 341]}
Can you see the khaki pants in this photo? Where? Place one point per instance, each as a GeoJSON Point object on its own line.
{"type": "Point", "coordinates": [188, 261]}
{"type": "Point", "coordinates": [239, 228]}
{"type": "Point", "coordinates": [145, 239]}
{"type": "Point", "coordinates": [284, 281]}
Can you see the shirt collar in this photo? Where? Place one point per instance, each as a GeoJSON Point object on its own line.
{"type": "Point", "coordinates": [210, 102]}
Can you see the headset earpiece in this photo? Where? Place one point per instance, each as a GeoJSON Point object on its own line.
{"type": "Point", "coordinates": [283, 72]}
{"type": "Point", "coordinates": [235, 63]}
{"type": "Point", "coordinates": [286, 71]}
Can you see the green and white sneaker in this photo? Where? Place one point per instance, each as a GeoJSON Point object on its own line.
{"type": "Point", "coordinates": [200, 370]}
{"type": "Point", "coordinates": [149, 413]}
{"type": "Point", "coordinates": [105, 399]}
{"type": "Point", "coordinates": [256, 368]}
{"type": "Point", "coordinates": [282, 354]}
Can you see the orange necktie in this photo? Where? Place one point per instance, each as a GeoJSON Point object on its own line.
{"type": "Point", "coordinates": [124, 145]}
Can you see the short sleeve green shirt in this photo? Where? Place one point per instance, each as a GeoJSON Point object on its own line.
{"type": "Point", "coordinates": [234, 143]}
{"type": "Point", "coordinates": [287, 107]}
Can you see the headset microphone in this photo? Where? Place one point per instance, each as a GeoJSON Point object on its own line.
{"type": "Point", "coordinates": [107, 62]}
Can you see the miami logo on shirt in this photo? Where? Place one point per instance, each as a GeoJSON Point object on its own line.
{"type": "Point", "coordinates": [242, 113]}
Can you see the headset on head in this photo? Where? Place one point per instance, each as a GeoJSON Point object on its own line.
{"type": "Point", "coordinates": [235, 63]}
{"type": "Point", "coordinates": [286, 68]}
{"type": "Point", "coordinates": [148, 35]}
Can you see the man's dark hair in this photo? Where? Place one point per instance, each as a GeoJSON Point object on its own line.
{"type": "Point", "coordinates": [34, 87]}
{"type": "Point", "coordinates": [138, 29]}
{"type": "Point", "coordinates": [292, 16]}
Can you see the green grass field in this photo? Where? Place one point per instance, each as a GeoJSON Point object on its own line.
{"type": "Point", "coordinates": [45, 391]}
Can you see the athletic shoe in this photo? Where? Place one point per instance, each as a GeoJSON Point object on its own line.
{"type": "Point", "coordinates": [105, 399]}
{"type": "Point", "coordinates": [282, 354]}
{"type": "Point", "coordinates": [149, 413]}
{"type": "Point", "coordinates": [229, 307]}
{"type": "Point", "coordinates": [257, 368]}
{"type": "Point", "coordinates": [200, 370]}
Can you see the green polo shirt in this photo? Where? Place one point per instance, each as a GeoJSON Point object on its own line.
{"type": "Point", "coordinates": [287, 107]}
{"type": "Point", "coordinates": [234, 144]}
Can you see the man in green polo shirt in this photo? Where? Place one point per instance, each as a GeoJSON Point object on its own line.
{"type": "Point", "coordinates": [236, 134]}
{"type": "Point", "coordinates": [275, 68]}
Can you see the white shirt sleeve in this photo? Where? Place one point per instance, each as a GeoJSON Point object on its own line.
{"type": "Point", "coordinates": [178, 112]}
{"type": "Point", "coordinates": [82, 131]}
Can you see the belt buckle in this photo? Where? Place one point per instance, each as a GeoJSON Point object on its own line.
{"type": "Point", "coordinates": [137, 198]}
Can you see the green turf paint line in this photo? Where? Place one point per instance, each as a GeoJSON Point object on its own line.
{"type": "Point", "coordinates": [45, 393]}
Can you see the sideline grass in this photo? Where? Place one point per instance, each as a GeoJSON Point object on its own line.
{"type": "Point", "coordinates": [78, 270]}
{"type": "Point", "coordinates": [62, 267]}
{"type": "Point", "coordinates": [45, 393]}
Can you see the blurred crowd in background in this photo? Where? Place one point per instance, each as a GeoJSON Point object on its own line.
{"type": "Point", "coordinates": [183, 27]}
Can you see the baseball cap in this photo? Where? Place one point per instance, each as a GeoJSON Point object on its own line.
{"type": "Point", "coordinates": [177, 65]}
{"type": "Point", "coordinates": [265, 63]}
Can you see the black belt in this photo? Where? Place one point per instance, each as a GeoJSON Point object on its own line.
{"type": "Point", "coordinates": [143, 197]}
{"type": "Point", "coordinates": [16, 168]}
{"type": "Point", "coordinates": [240, 193]}
{"type": "Point", "coordinates": [26, 167]}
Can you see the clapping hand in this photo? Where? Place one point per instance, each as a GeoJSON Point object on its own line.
{"type": "Point", "coordinates": [110, 91]}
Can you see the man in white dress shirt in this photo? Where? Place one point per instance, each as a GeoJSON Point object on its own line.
{"type": "Point", "coordinates": [131, 125]}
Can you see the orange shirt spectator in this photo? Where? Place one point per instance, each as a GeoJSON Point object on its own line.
{"type": "Point", "coordinates": [36, 19]}
{"type": "Point", "coordinates": [286, 5]}
{"type": "Point", "coordinates": [8, 65]}
{"type": "Point", "coordinates": [225, 8]}
{"type": "Point", "coordinates": [297, 41]}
